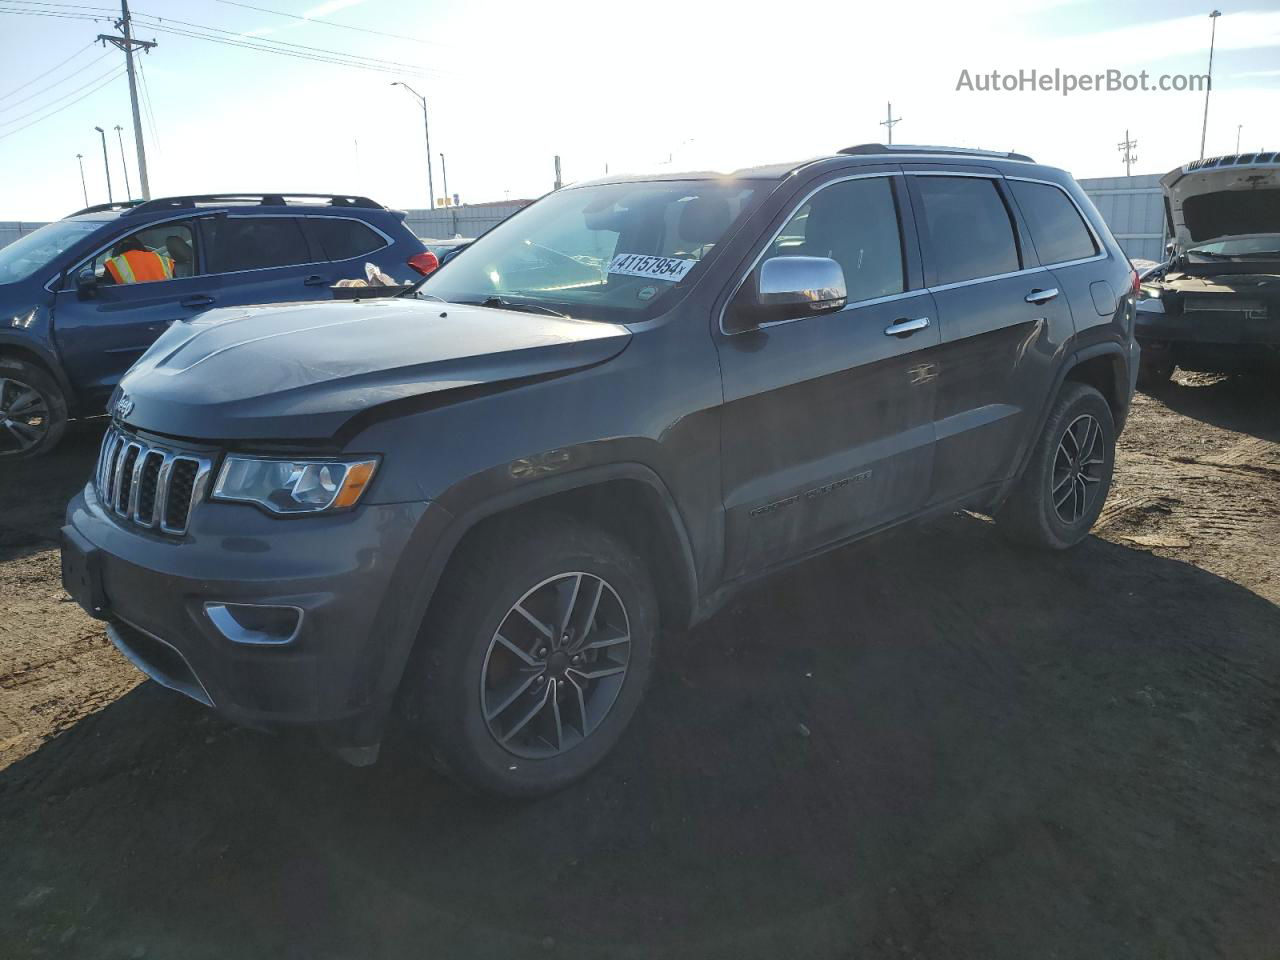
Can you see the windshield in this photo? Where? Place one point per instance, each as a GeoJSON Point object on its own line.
{"type": "Point", "coordinates": [605, 252]}
{"type": "Point", "coordinates": [1252, 246]}
{"type": "Point", "coordinates": [37, 249]}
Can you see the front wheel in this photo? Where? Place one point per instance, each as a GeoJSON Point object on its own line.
{"type": "Point", "coordinates": [534, 655]}
{"type": "Point", "coordinates": [33, 412]}
{"type": "Point", "coordinates": [1058, 498]}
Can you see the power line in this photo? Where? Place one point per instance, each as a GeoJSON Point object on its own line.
{"type": "Point", "coordinates": [10, 104]}
{"type": "Point", "coordinates": [44, 106]}
{"type": "Point", "coordinates": [56, 66]}
{"type": "Point", "coordinates": [61, 15]}
{"type": "Point", "coordinates": [241, 38]}
{"type": "Point", "coordinates": [330, 23]}
{"type": "Point", "coordinates": [146, 101]}
{"type": "Point", "coordinates": [109, 80]}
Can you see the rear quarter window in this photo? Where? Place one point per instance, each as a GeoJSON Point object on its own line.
{"type": "Point", "coordinates": [1056, 227]}
{"type": "Point", "coordinates": [342, 239]}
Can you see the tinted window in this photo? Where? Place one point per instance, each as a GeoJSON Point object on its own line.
{"type": "Point", "coordinates": [854, 223]}
{"type": "Point", "coordinates": [969, 228]}
{"type": "Point", "coordinates": [1056, 228]}
{"type": "Point", "coordinates": [251, 243]}
{"type": "Point", "coordinates": [344, 239]}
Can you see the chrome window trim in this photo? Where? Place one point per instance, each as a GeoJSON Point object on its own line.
{"type": "Point", "coordinates": [777, 233]}
{"type": "Point", "coordinates": [245, 215]}
{"type": "Point", "coordinates": [1097, 240]}
{"type": "Point", "coordinates": [1025, 271]}
{"type": "Point", "coordinates": [112, 242]}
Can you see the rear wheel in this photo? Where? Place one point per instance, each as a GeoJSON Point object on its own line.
{"type": "Point", "coordinates": [534, 656]}
{"type": "Point", "coordinates": [1061, 493]}
{"type": "Point", "coordinates": [33, 412]}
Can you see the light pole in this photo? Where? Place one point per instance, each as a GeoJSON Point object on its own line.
{"type": "Point", "coordinates": [128, 191]}
{"type": "Point", "coordinates": [444, 175]}
{"type": "Point", "coordinates": [1239, 127]}
{"type": "Point", "coordinates": [105, 162]}
{"type": "Point", "coordinates": [1213, 33]}
{"type": "Point", "coordinates": [83, 186]}
{"type": "Point", "coordinates": [426, 129]}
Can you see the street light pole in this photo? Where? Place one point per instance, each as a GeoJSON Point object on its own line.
{"type": "Point", "coordinates": [106, 163]}
{"type": "Point", "coordinates": [1239, 127]}
{"type": "Point", "coordinates": [83, 186]}
{"type": "Point", "coordinates": [1213, 33]}
{"type": "Point", "coordinates": [444, 175]}
{"type": "Point", "coordinates": [128, 190]}
{"type": "Point", "coordinates": [426, 129]}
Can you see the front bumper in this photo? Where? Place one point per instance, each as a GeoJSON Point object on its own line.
{"type": "Point", "coordinates": [1209, 340]}
{"type": "Point", "coordinates": [345, 574]}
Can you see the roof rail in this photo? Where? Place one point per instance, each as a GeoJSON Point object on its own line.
{"type": "Point", "coordinates": [262, 199]}
{"type": "Point", "coordinates": [864, 149]}
{"type": "Point", "coordinates": [103, 207]}
{"type": "Point", "coordinates": [1231, 159]}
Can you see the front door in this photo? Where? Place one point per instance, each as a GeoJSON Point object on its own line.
{"type": "Point", "coordinates": [101, 336]}
{"type": "Point", "coordinates": [827, 426]}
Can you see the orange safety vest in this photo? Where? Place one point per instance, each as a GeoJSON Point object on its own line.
{"type": "Point", "coordinates": [139, 266]}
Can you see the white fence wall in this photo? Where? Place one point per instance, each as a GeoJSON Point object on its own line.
{"type": "Point", "coordinates": [1133, 208]}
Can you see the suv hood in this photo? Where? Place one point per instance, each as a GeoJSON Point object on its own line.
{"type": "Point", "coordinates": [299, 371]}
{"type": "Point", "coordinates": [1223, 197]}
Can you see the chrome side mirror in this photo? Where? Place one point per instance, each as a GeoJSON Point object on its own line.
{"type": "Point", "coordinates": [788, 288]}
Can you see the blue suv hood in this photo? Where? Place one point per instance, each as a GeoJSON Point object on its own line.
{"type": "Point", "coordinates": [299, 371]}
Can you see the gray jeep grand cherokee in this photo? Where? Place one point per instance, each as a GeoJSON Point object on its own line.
{"type": "Point", "coordinates": [472, 510]}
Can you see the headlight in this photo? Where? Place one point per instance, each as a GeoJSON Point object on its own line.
{"type": "Point", "coordinates": [1148, 292]}
{"type": "Point", "coordinates": [293, 486]}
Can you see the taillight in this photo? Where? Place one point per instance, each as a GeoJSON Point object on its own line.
{"type": "Point", "coordinates": [426, 263]}
{"type": "Point", "coordinates": [1136, 286]}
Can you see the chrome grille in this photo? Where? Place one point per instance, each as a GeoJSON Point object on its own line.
{"type": "Point", "coordinates": [151, 485]}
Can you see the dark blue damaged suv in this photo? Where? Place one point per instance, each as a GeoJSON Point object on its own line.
{"type": "Point", "coordinates": [469, 511]}
{"type": "Point", "coordinates": [67, 332]}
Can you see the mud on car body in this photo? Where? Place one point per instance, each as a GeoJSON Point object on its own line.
{"type": "Point", "coordinates": [468, 513]}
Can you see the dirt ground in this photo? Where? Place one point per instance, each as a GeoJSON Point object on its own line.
{"type": "Point", "coordinates": [934, 745]}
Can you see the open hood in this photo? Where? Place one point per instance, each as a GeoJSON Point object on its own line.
{"type": "Point", "coordinates": [1223, 197]}
{"type": "Point", "coordinates": [299, 371]}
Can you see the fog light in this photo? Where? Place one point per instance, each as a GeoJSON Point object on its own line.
{"type": "Point", "coordinates": [255, 623]}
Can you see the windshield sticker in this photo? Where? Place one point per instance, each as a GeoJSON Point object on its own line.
{"type": "Point", "coordinates": [655, 268]}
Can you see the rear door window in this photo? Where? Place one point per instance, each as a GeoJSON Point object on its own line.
{"type": "Point", "coordinates": [968, 226]}
{"type": "Point", "coordinates": [254, 243]}
{"type": "Point", "coordinates": [342, 239]}
{"type": "Point", "coordinates": [1056, 227]}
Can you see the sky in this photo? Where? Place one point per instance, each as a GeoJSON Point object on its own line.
{"type": "Point", "coordinates": [623, 87]}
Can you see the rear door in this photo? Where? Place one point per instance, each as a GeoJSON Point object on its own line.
{"type": "Point", "coordinates": [1001, 320]}
{"type": "Point", "coordinates": [827, 424]}
{"type": "Point", "coordinates": [264, 259]}
{"type": "Point", "coordinates": [99, 338]}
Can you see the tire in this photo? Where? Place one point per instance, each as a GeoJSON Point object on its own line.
{"type": "Point", "coordinates": [1037, 511]}
{"type": "Point", "coordinates": [33, 411]}
{"type": "Point", "coordinates": [466, 666]}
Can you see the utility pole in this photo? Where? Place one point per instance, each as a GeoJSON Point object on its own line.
{"type": "Point", "coordinates": [1127, 148]}
{"type": "Point", "coordinates": [128, 190]}
{"type": "Point", "coordinates": [444, 175]}
{"type": "Point", "coordinates": [128, 45]}
{"type": "Point", "coordinates": [1213, 33]}
{"type": "Point", "coordinates": [890, 122]}
{"type": "Point", "coordinates": [106, 163]}
{"type": "Point", "coordinates": [1239, 127]}
{"type": "Point", "coordinates": [559, 184]}
{"type": "Point", "coordinates": [83, 186]}
{"type": "Point", "coordinates": [426, 129]}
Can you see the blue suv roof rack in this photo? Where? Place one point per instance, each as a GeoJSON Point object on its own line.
{"type": "Point", "coordinates": [262, 199]}
{"type": "Point", "coordinates": [864, 149]}
{"type": "Point", "coordinates": [103, 207]}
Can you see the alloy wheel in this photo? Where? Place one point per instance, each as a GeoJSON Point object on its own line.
{"type": "Point", "coordinates": [1078, 469]}
{"type": "Point", "coordinates": [24, 416]}
{"type": "Point", "coordinates": [555, 665]}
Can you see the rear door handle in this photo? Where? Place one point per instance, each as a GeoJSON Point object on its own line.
{"type": "Point", "coordinates": [1042, 296]}
{"type": "Point", "coordinates": [904, 326]}
{"type": "Point", "coordinates": [197, 301]}
{"type": "Point", "coordinates": [315, 280]}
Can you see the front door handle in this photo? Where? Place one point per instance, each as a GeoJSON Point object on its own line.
{"type": "Point", "coordinates": [199, 300]}
{"type": "Point", "coordinates": [904, 326]}
{"type": "Point", "coordinates": [315, 280]}
{"type": "Point", "coordinates": [1042, 296]}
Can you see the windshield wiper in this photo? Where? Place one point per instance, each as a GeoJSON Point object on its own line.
{"type": "Point", "coordinates": [501, 303]}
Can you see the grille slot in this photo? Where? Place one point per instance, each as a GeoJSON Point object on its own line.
{"type": "Point", "coordinates": [151, 486]}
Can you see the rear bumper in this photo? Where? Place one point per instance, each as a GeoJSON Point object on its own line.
{"type": "Point", "coordinates": [344, 575]}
